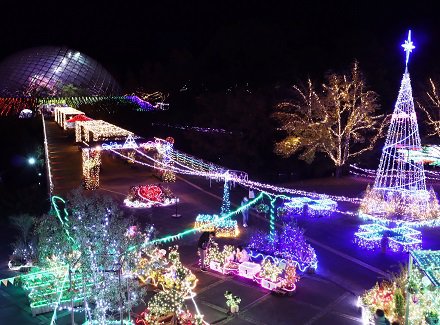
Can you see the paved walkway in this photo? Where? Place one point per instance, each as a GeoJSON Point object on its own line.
{"type": "Point", "coordinates": [64, 158]}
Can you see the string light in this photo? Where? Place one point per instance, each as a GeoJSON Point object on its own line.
{"type": "Point", "coordinates": [226, 202]}
{"type": "Point", "coordinates": [196, 164]}
{"type": "Point", "coordinates": [429, 262]}
{"type": "Point", "coordinates": [193, 128]}
{"type": "Point", "coordinates": [422, 286]}
{"type": "Point", "coordinates": [218, 259]}
{"type": "Point", "coordinates": [222, 227]}
{"type": "Point", "coordinates": [139, 103]}
{"type": "Point", "coordinates": [181, 234]}
{"type": "Point", "coordinates": [271, 274]}
{"type": "Point", "coordinates": [267, 187]}
{"type": "Point", "coordinates": [46, 153]}
{"type": "Point", "coordinates": [399, 239]}
{"type": "Point", "coordinates": [288, 244]}
{"type": "Point", "coordinates": [334, 120]}
{"type": "Point", "coordinates": [99, 130]}
{"type": "Point", "coordinates": [399, 191]}
{"type": "Point", "coordinates": [212, 172]}
{"type": "Point", "coordinates": [290, 278]}
{"type": "Point", "coordinates": [64, 113]}
{"type": "Point", "coordinates": [370, 173]}
{"type": "Point", "coordinates": [91, 165]}
{"type": "Point", "coordinates": [163, 158]}
{"type": "Point", "coordinates": [199, 168]}
{"type": "Point", "coordinates": [13, 106]}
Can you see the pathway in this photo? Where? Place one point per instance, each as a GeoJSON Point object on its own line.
{"type": "Point", "coordinates": [64, 158]}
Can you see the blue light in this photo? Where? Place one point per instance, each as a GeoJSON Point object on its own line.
{"type": "Point", "coordinates": [400, 239]}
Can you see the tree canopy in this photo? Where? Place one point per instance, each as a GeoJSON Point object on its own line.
{"type": "Point", "coordinates": [338, 119]}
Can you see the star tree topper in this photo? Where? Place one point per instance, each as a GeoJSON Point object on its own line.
{"type": "Point", "coordinates": [408, 46]}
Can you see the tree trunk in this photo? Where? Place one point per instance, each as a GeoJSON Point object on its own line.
{"type": "Point", "coordinates": [338, 171]}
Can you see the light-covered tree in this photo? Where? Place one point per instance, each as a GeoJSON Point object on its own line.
{"type": "Point", "coordinates": [92, 237]}
{"type": "Point", "coordinates": [430, 104]}
{"type": "Point", "coordinates": [338, 119]}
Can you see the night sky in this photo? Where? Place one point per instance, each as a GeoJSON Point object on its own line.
{"type": "Point", "coordinates": [215, 45]}
{"type": "Point", "coordinates": [166, 43]}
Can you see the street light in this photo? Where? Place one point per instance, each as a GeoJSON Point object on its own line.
{"type": "Point", "coordinates": [31, 161]}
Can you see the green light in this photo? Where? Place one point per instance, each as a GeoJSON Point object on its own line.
{"type": "Point", "coordinates": [194, 230]}
{"type": "Point", "coordinates": [66, 215]}
{"type": "Point", "coordinates": [272, 218]}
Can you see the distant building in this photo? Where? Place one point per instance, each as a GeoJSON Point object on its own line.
{"type": "Point", "coordinates": [54, 72]}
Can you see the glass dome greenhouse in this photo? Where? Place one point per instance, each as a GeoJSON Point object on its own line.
{"type": "Point", "coordinates": [54, 72]}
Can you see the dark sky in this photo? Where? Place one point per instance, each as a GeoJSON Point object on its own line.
{"type": "Point", "coordinates": [231, 41]}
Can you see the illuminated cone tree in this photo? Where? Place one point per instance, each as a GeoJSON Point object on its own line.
{"type": "Point", "coordinates": [399, 191]}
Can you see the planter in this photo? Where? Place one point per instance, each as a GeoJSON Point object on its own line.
{"type": "Point", "coordinates": [258, 278]}
{"type": "Point", "coordinates": [216, 266]}
{"type": "Point", "coordinates": [234, 309]}
{"type": "Point", "coordinates": [289, 289]}
{"type": "Point", "coordinates": [267, 284]}
{"type": "Point", "coordinates": [248, 269]}
{"type": "Point", "coordinates": [230, 268]}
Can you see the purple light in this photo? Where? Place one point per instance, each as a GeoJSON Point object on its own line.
{"type": "Point", "coordinates": [144, 105]}
{"type": "Point", "coordinates": [287, 244]}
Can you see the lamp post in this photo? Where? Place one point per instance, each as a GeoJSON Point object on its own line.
{"type": "Point", "coordinates": [176, 215]}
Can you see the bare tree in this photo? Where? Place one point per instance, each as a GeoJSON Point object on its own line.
{"type": "Point", "coordinates": [24, 244]}
{"type": "Point", "coordinates": [338, 119]}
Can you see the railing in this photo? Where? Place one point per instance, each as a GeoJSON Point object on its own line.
{"type": "Point", "coordinates": [46, 152]}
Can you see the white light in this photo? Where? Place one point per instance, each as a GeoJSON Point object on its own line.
{"type": "Point", "coordinates": [31, 161]}
{"type": "Point", "coordinates": [408, 46]}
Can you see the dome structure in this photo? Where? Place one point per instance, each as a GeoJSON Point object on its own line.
{"type": "Point", "coordinates": [54, 72]}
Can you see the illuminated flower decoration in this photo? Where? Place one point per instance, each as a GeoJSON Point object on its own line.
{"type": "Point", "coordinates": [150, 192]}
{"type": "Point", "coordinates": [146, 196]}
